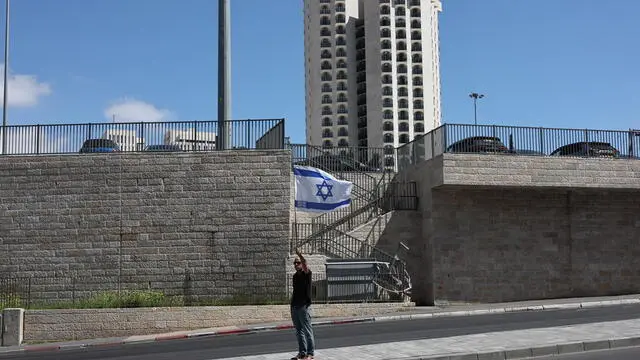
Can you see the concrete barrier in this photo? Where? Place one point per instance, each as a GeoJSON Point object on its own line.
{"type": "Point", "coordinates": [12, 327]}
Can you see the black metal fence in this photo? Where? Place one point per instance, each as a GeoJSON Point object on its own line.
{"type": "Point", "coordinates": [401, 195]}
{"type": "Point", "coordinates": [343, 159]}
{"type": "Point", "coordinates": [106, 292]}
{"type": "Point", "coordinates": [12, 293]}
{"type": "Point", "coordinates": [530, 141]}
{"type": "Point", "coordinates": [134, 137]}
{"type": "Point", "coordinates": [378, 287]}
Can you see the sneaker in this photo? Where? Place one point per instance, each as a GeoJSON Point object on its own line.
{"type": "Point", "coordinates": [309, 357]}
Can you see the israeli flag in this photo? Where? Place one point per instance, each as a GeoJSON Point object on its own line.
{"type": "Point", "coordinates": [318, 191]}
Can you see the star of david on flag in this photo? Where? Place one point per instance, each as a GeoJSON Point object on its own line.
{"type": "Point", "coordinates": [319, 191]}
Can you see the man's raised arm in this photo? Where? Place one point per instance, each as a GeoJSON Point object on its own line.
{"type": "Point", "coordinates": [303, 261]}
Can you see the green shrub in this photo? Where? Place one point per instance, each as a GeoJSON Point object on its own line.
{"type": "Point", "coordinates": [127, 299]}
{"type": "Point", "coordinates": [116, 300]}
{"type": "Point", "coordinates": [149, 298]}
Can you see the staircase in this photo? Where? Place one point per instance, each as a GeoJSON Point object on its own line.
{"type": "Point", "coordinates": [327, 234]}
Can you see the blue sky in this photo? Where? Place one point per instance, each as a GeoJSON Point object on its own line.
{"type": "Point", "coordinates": [562, 63]}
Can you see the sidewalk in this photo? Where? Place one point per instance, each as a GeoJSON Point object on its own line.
{"type": "Point", "coordinates": [412, 313]}
{"type": "Point", "coordinates": [496, 345]}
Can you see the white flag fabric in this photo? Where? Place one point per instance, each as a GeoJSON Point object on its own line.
{"type": "Point", "coordinates": [319, 191]}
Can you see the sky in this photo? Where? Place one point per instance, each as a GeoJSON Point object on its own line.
{"type": "Point", "coordinates": [551, 63]}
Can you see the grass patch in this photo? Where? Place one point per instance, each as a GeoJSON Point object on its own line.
{"type": "Point", "coordinates": [147, 298]}
{"type": "Point", "coordinates": [13, 302]}
{"type": "Point", "coordinates": [116, 300]}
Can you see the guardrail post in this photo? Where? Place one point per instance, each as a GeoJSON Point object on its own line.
{"type": "Point", "coordinates": [444, 138]}
{"type": "Point", "coordinates": [195, 136]}
{"type": "Point", "coordinates": [38, 139]}
{"type": "Point", "coordinates": [12, 327]}
{"type": "Point", "coordinates": [586, 140]}
{"type": "Point", "coordinates": [142, 135]}
{"type": "Point", "coordinates": [542, 140]}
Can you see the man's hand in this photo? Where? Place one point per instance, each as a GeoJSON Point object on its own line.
{"type": "Point", "coordinates": [303, 261]}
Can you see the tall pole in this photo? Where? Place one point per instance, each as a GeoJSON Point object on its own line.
{"type": "Point", "coordinates": [475, 97]}
{"type": "Point", "coordinates": [224, 74]}
{"type": "Point", "coordinates": [5, 102]}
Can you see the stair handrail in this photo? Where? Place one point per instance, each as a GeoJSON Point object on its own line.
{"type": "Point", "coordinates": [354, 212]}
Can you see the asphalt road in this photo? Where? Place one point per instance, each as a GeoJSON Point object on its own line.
{"type": "Point", "coordinates": [616, 354]}
{"type": "Point", "coordinates": [339, 336]}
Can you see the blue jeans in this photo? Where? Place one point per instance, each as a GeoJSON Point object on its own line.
{"type": "Point", "coordinates": [304, 333]}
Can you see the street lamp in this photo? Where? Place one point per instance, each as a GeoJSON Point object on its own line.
{"type": "Point", "coordinates": [6, 83]}
{"type": "Point", "coordinates": [475, 97]}
{"type": "Point", "coordinates": [224, 75]}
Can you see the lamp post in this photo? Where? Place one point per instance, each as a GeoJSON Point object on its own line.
{"type": "Point", "coordinates": [224, 74]}
{"type": "Point", "coordinates": [475, 97]}
{"type": "Point", "coordinates": [6, 82]}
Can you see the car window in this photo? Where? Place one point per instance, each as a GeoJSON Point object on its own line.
{"type": "Point", "coordinates": [99, 143]}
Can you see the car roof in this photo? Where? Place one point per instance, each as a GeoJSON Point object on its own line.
{"type": "Point", "coordinates": [582, 143]}
{"type": "Point", "coordinates": [99, 141]}
{"type": "Point", "coordinates": [473, 138]}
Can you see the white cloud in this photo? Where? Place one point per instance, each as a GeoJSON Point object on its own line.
{"type": "Point", "coordinates": [24, 90]}
{"type": "Point", "coordinates": [132, 110]}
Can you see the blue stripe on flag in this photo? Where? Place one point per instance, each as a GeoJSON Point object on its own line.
{"type": "Point", "coordinates": [321, 206]}
{"type": "Point", "coordinates": [308, 173]}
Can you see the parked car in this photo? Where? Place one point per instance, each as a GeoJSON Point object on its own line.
{"type": "Point", "coordinates": [478, 144]}
{"type": "Point", "coordinates": [163, 148]}
{"type": "Point", "coordinates": [99, 146]}
{"type": "Point", "coordinates": [330, 162]}
{"type": "Point", "coordinates": [589, 149]}
{"type": "Point", "coordinates": [528, 152]}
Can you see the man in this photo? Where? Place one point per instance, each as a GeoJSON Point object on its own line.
{"type": "Point", "coordinates": [300, 303]}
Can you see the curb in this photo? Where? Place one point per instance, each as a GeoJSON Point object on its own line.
{"type": "Point", "coordinates": [514, 309]}
{"type": "Point", "coordinates": [278, 327]}
{"type": "Point", "coordinates": [549, 350]}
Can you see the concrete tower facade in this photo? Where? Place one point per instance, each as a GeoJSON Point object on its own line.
{"type": "Point", "coordinates": [372, 72]}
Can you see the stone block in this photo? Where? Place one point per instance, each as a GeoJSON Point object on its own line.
{"type": "Point", "coordinates": [141, 216]}
{"type": "Point", "coordinates": [551, 224]}
{"type": "Point", "coordinates": [596, 345]}
{"type": "Point", "coordinates": [12, 327]}
{"type": "Point", "coordinates": [629, 342]}
{"type": "Point", "coordinates": [496, 355]}
{"type": "Point", "coordinates": [518, 354]}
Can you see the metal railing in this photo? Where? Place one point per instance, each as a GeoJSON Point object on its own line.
{"type": "Point", "coordinates": [357, 165]}
{"type": "Point", "coordinates": [337, 244]}
{"type": "Point", "coordinates": [135, 137]}
{"type": "Point", "coordinates": [343, 159]}
{"type": "Point", "coordinates": [12, 293]}
{"type": "Point", "coordinates": [400, 195]}
{"type": "Point", "coordinates": [397, 196]}
{"type": "Point", "coordinates": [80, 291]}
{"type": "Point", "coordinates": [362, 210]}
{"type": "Point", "coordinates": [518, 140]}
{"type": "Point", "coordinates": [85, 292]}
{"type": "Point", "coordinates": [344, 167]}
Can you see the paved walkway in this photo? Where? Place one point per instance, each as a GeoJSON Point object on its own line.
{"type": "Point", "coordinates": [536, 339]}
{"type": "Point", "coordinates": [448, 309]}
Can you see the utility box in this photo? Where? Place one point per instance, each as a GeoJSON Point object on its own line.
{"type": "Point", "coordinates": [351, 280]}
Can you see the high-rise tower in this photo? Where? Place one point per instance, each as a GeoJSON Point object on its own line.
{"type": "Point", "coordinates": [372, 71]}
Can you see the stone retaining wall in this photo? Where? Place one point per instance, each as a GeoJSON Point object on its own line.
{"type": "Point", "coordinates": [202, 225]}
{"type": "Point", "coordinates": [63, 325]}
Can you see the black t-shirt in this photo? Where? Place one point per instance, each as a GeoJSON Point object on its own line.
{"type": "Point", "coordinates": [301, 288]}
